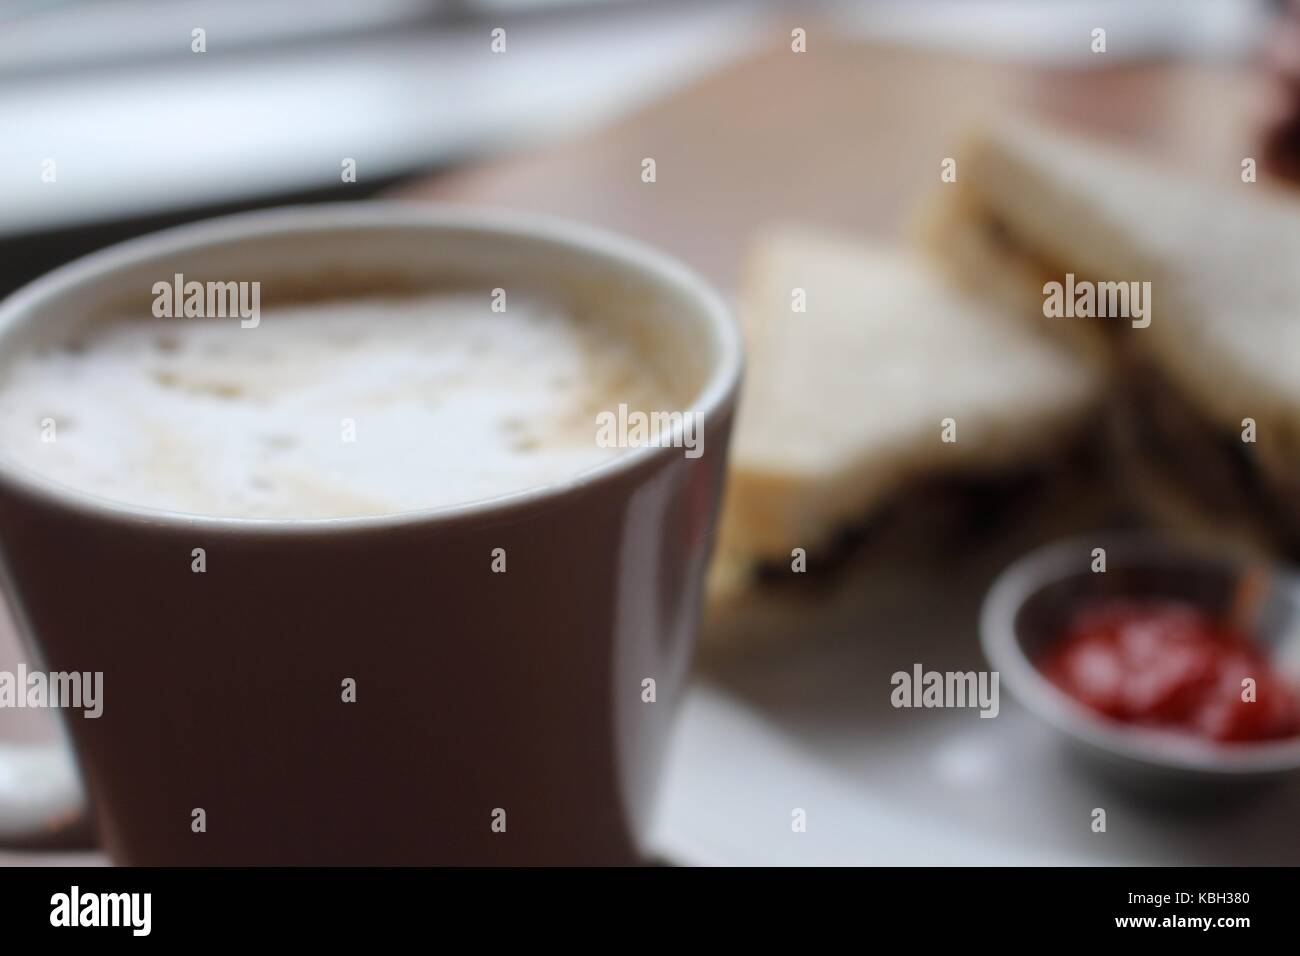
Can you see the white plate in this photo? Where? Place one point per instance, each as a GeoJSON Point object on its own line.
{"type": "Point", "coordinates": [795, 714]}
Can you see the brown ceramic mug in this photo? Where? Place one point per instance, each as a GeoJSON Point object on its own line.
{"type": "Point", "coordinates": [477, 692]}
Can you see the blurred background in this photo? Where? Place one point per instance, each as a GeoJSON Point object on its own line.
{"type": "Point", "coordinates": [146, 132]}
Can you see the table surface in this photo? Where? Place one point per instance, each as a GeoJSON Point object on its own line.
{"type": "Point", "coordinates": [846, 136]}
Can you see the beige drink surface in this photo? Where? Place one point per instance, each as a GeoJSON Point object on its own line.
{"type": "Point", "coordinates": [338, 408]}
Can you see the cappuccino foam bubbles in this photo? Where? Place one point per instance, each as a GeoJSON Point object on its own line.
{"type": "Point", "coordinates": [326, 409]}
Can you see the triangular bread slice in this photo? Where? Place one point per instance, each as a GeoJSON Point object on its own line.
{"type": "Point", "coordinates": [858, 354]}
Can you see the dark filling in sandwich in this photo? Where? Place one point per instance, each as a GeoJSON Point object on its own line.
{"type": "Point", "coordinates": [1065, 491]}
{"type": "Point", "coordinates": [1211, 471]}
{"type": "Point", "coordinates": [1044, 270]}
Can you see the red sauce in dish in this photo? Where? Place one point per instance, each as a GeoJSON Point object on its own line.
{"type": "Point", "coordinates": [1171, 665]}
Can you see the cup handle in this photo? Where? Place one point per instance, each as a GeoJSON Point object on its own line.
{"type": "Point", "coordinates": [42, 805]}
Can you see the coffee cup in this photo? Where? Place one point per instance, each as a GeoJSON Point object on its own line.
{"type": "Point", "coordinates": [465, 682]}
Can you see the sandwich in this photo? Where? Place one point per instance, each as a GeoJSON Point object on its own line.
{"type": "Point", "coordinates": [876, 392]}
{"type": "Point", "coordinates": [1207, 381]}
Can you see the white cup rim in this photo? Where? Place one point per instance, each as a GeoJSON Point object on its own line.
{"type": "Point", "coordinates": [719, 388]}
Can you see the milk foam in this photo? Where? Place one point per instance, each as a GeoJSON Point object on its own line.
{"type": "Point", "coordinates": [450, 402]}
